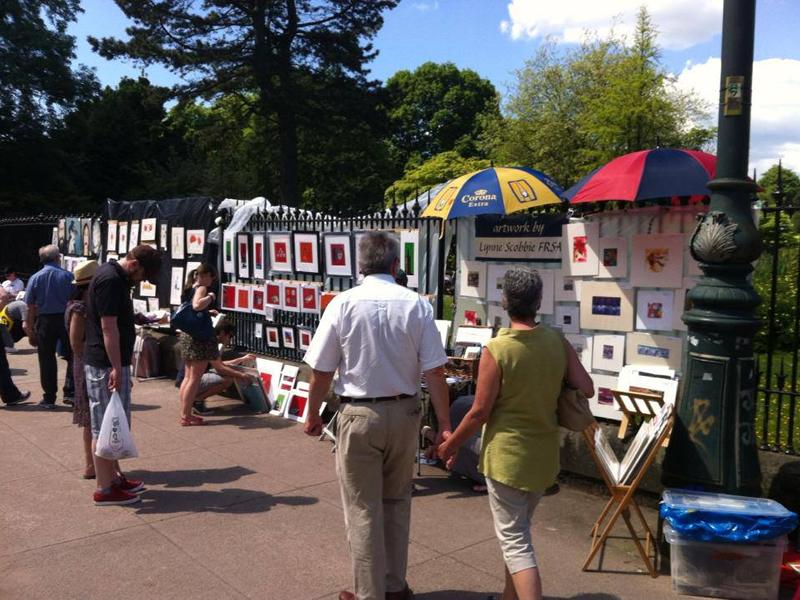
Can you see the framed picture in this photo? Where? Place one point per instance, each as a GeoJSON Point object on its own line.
{"type": "Point", "coordinates": [338, 254]}
{"type": "Point", "coordinates": [654, 310]}
{"type": "Point", "coordinates": [149, 229]}
{"type": "Point", "coordinates": [657, 260]}
{"type": "Point", "coordinates": [269, 371]}
{"type": "Point", "coordinates": [54, 237]}
{"type": "Point", "coordinates": [608, 352]}
{"type": "Point", "coordinates": [133, 235]}
{"type": "Point", "coordinates": [682, 303]}
{"type": "Point", "coordinates": [657, 350]}
{"type": "Point", "coordinates": [147, 289]}
{"type": "Point", "coordinates": [290, 296]}
{"type": "Point", "coordinates": [567, 318]}
{"type": "Point", "coordinates": [191, 266]}
{"type": "Point", "coordinates": [257, 296]}
{"type": "Point", "coordinates": [409, 256]}
{"type": "Point", "coordinates": [274, 295]}
{"type": "Point", "coordinates": [253, 393]}
{"type": "Point", "coordinates": [152, 304]}
{"type": "Point", "coordinates": [177, 243]}
{"type": "Point", "coordinates": [97, 238]}
{"type": "Point", "coordinates": [497, 317]}
{"type": "Point", "coordinates": [606, 306]}
{"type": "Point", "coordinates": [259, 255]}
{"type": "Point", "coordinates": [228, 296]}
{"type": "Point", "coordinates": [297, 409]}
{"type": "Point", "coordinates": [280, 252]}
{"type": "Point", "coordinates": [176, 286]}
{"type": "Point", "coordinates": [273, 337]}
{"type": "Point", "coordinates": [244, 301]}
{"type": "Point", "coordinates": [602, 403]}
{"type": "Point", "coordinates": [567, 289]}
{"type": "Point", "coordinates": [651, 380]}
{"type": "Point", "coordinates": [163, 237]}
{"type": "Point", "coordinates": [243, 255]}
{"type": "Point", "coordinates": [579, 249]}
{"type": "Point", "coordinates": [306, 252]}
{"type": "Point", "coordinates": [612, 253]}
{"type": "Point", "coordinates": [86, 237]}
{"type": "Point", "coordinates": [228, 256]}
{"type": "Point", "coordinates": [195, 241]}
{"type": "Point", "coordinates": [583, 348]}
{"type": "Point", "coordinates": [61, 234]}
{"type": "Point", "coordinates": [139, 306]}
{"type": "Point", "coordinates": [303, 338]}
{"type": "Point", "coordinates": [495, 275]}
{"type": "Point", "coordinates": [309, 299]}
{"type": "Point", "coordinates": [287, 338]}
{"type": "Point", "coordinates": [472, 279]}
{"type": "Point", "coordinates": [111, 235]}
{"type": "Point", "coordinates": [122, 237]}
{"type": "Point", "coordinates": [548, 288]}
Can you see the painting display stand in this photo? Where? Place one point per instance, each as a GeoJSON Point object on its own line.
{"type": "Point", "coordinates": [622, 502]}
{"type": "Point", "coordinates": [636, 403]}
{"type": "Point", "coordinates": [328, 431]}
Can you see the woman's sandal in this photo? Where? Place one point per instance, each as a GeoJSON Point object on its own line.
{"type": "Point", "coordinates": [190, 421]}
{"type": "Point", "coordinates": [89, 474]}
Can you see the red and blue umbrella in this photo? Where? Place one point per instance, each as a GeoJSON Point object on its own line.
{"type": "Point", "coordinates": [646, 175]}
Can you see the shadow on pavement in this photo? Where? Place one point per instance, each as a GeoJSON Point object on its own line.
{"type": "Point", "coordinates": [229, 501]}
{"type": "Point", "coordinates": [140, 407]}
{"type": "Point", "coordinates": [191, 477]}
{"type": "Point", "coordinates": [251, 421]}
{"type": "Point", "coordinates": [454, 486]}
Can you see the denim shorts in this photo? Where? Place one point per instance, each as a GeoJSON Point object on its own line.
{"type": "Point", "coordinates": [100, 395]}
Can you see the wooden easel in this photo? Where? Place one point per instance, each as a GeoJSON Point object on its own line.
{"type": "Point", "coordinates": [622, 497]}
{"type": "Point", "coordinates": [634, 404]}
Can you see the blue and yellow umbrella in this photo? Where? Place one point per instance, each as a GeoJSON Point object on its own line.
{"type": "Point", "coordinates": [494, 191]}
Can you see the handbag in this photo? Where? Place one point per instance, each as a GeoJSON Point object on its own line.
{"type": "Point", "coordinates": [573, 409]}
{"type": "Point", "coordinates": [194, 323]}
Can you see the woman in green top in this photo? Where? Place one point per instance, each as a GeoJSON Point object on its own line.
{"type": "Point", "coordinates": [519, 380]}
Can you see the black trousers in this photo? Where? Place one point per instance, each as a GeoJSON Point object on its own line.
{"type": "Point", "coordinates": [50, 330]}
{"type": "Point", "coordinates": [8, 391]}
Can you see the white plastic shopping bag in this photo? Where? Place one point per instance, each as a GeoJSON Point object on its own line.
{"type": "Point", "coordinates": [115, 441]}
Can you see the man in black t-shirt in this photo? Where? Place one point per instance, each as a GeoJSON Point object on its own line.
{"type": "Point", "coordinates": [110, 335]}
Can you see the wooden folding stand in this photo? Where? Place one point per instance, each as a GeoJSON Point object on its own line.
{"type": "Point", "coordinates": [622, 495]}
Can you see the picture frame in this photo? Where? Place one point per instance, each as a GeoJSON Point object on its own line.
{"type": "Point", "coordinates": [111, 235]}
{"type": "Point", "coordinates": [86, 237]}
{"type": "Point", "coordinates": [612, 254]}
{"type": "Point", "coordinates": [338, 254]}
{"type": "Point", "coordinates": [305, 247]}
{"type": "Point", "coordinates": [243, 255]}
{"type": "Point", "coordinates": [568, 318]}
{"type": "Point", "coordinates": [286, 384]}
{"type": "Point", "coordinates": [646, 349]}
{"type": "Point", "coordinates": [228, 301]}
{"type": "Point", "coordinates": [149, 227]}
{"type": "Point", "coordinates": [253, 393]}
{"type": "Point", "coordinates": [304, 337]}
{"type": "Point", "coordinates": [547, 307]}
{"type": "Point", "coordinates": [409, 256]}
{"type": "Point", "coordinates": [649, 379]}
{"type": "Point", "coordinates": [583, 346]}
{"type": "Point", "coordinates": [229, 253]}
{"type": "Point", "coordinates": [133, 235]}
{"type": "Point", "coordinates": [473, 336]}
{"type": "Point", "coordinates": [288, 338]}
{"type": "Point", "coordinates": [497, 317]}
{"type": "Point", "coordinates": [273, 295]}
{"type": "Point", "coordinates": [257, 294]}
{"type": "Point", "coordinates": [297, 409]}
{"type": "Point", "coordinates": [579, 248]}
{"type": "Point", "coordinates": [608, 352]}
{"type": "Point", "coordinates": [682, 303]}
{"type": "Point", "coordinates": [472, 279]}
{"type": "Point", "coordinates": [290, 296]}
{"type": "Point", "coordinates": [606, 306]}
{"type": "Point", "coordinates": [280, 252]}
{"type": "Point", "coordinates": [97, 237]}
{"type": "Point", "coordinates": [566, 289]}
{"type": "Point", "coordinates": [654, 310]}
{"type": "Point", "coordinates": [153, 305]}
{"type": "Point", "coordinates": [273, 336]}
{"type": "Point", "coordinates": [494, 281]}
{"type": "Point", "coordinates": [657, 260]}
{"type": "Point", "coordinates": [163, 237]}
{"type": "Point", "coordinates": [61, 235]}
{"type": "Point", "coordinates": [195, 242]}
{"type": "Point", "coordinates": [443, 327]}
{"type": "Point", "coordinates": [602, 404]}
{"type": "Point", "coordinates": [269, 372]}
{"type": "Point", "coordinates": [177, 241]}
{"type": "Point", "coordinates": [122, 237]}
{"type": "Point", "coordinates": [176, 286]}
{"type": "Point", "coordinates": [310, 299]}
{"type": "Point", "coordinates": [147, 289]}
{"type": "Point", "coordinates": [259, 254]}
{"type": "Point", "coordinates": [244, 300]}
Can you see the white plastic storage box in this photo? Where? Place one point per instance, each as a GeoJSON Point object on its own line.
{"type": "Point", "coordinates": [750, 571]}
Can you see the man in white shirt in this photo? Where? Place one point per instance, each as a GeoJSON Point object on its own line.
{"type": "Point", "coordinates": [380, 337]}
{"type": "Point", "coordinates": [13, 284]}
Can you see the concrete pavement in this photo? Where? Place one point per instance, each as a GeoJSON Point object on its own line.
{"type": "Point", "coordinates": [248, 507]}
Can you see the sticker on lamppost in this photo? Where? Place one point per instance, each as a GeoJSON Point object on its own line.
{"type": "Point", "coordinates": [734, 85]}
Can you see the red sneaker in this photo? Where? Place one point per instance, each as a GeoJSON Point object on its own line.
{"type": "Point", "coordinates": [129, 485]}
{"type": "Point", "coordinates": [116, 497]}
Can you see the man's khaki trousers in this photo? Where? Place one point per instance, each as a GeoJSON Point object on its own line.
{"type": "Point", "coordinates": [375, 448]}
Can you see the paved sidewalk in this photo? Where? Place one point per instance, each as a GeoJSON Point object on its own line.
{"type": "Point", "coordinates": [248, 507]}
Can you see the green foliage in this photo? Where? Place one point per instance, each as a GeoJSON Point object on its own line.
{"type": "Point", "coordinates": [437, 108]}
{"type": "Point", "coordinates": [572, 111]}
{"type": "Point", "coordinates": [438, 169]}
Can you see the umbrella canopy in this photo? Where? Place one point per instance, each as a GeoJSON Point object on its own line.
{"type": "Point", "coordinates": [648, 174]}
{"type": "Point", "coordinates": [496, 191]}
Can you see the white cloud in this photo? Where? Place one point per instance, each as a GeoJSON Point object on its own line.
{"type": "Point", "coordinates": [775, 116]}
{"type": "Point", "coordinates": [681, 23]}
{"type": "Point", "coordinates": [426, 6]}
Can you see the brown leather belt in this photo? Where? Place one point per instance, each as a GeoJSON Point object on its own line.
{"type": "Point", "coordinates": [373, 400]}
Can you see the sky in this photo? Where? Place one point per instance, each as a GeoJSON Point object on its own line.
{"type": "Point", "coordinates": [496, 37]}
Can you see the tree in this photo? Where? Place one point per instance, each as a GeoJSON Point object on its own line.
{"type": "Point", "coordinates": [260, 46]}
{"type": "Point", "coordinates": [438, 169]}
{"type": "Point", "coordinates": [572, 111]}
{"type": "Point", "coordinates": [436, 108]}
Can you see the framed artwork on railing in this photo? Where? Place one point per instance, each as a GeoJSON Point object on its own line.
{"type": "Point", "coordinates": [409, 256]}
{"type": "Point", "coordinates": [243, 255]}
{"type": "Point", "coordinates": [290, 296]}
{"type": "Point", "coordinates": [177, 243]}
{"type": "Point", "coordinates": [280, 252]}
{"type": "Point", "coordinates": [309, 299]}
{"type": "Point", "coordinates": [259, 255]}
{"type": "Point", "coordinates": [274, 295]}
{"type": "Point", "coordinates": [338, 254]}
{"type": "Point", "coordinates": [306, 252]}
{"type": "Point", "coordinates": [228, 253]}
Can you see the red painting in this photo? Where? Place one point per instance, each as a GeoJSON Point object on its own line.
{"type": "Point", "coordinates": [258, 259]}
{"type": "Point", "coordinates": [273, 294]}
{"type": "Point", "coordinates": [228, 296]}
{"type": "Point", "coordinates": [272, 336]}
{"type": "Point", "coordinates": [281, 254]}
{"type": "Point", "coordinates": [579, 249]}
{"type": "Point", "coordinates": [290, 296]}
{"type": "Point", "coordinates": [337, 255]}
{"type": "Point", "coordinates": [309, 299]}
{"type": "Point", "coordinates": [258, 299]}
{"type": "Point", "coordinates": [244, 299]}
{"type": "Point", "coordinates": [306, 252]}
{"type": "Point", "coordinates": [298, 405]}
{"type": "Point", "coordinates": [266, 379]}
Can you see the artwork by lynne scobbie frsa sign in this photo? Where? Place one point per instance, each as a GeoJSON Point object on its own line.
{"type": "Point", "coordinates": [518, 237]}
